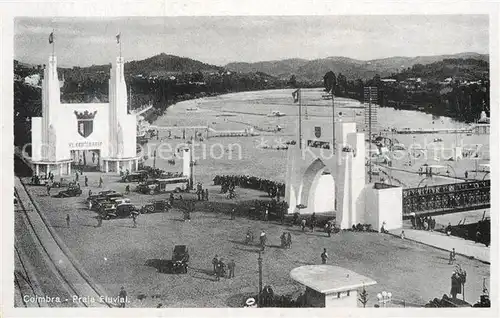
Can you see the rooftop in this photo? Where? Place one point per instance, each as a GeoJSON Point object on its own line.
{"type": "Point", "coordinates": [329, 279]}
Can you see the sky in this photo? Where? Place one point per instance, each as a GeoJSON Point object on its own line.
{"type": "Point", "coordinates": [220, 40]}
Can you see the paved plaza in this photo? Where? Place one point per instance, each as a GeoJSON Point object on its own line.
{"type": "Point", "coordinates": [117, 254]}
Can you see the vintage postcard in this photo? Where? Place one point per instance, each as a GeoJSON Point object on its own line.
{"type": "Point", "coordinates": [322, 161]}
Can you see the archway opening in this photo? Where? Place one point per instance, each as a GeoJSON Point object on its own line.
{"type": "Point", "coordinates": [317, 190]}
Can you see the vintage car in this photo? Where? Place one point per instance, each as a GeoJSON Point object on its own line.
{"type": "Point", "coordinates": [71, 191]}
{"type": "Point", "coordinates": [156, 206]}
{"type": "Point", "coordinates": [138, 176]}
{"type": "Point", "coordinates": [179, 262]}
{"type": "Point", "coordinates": [163, 185]}
{"type": "Point", "coordinates": [112, 211]}
{"type": "Point", "coordinates": [101, 194]}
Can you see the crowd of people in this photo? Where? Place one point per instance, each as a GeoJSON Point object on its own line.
{"type": "Point", "coordinates": [426, 223]}
{"type": "Point", "coordinates": [222, 269]}
{"type": "Point", "coordinates": [446, 196]}
{"type": "Point", "coordinates": [272, 188]}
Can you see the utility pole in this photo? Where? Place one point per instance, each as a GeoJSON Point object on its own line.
{"type": "Point", "coordinates": [370, 134]}
{"type": "Point", "coordinates": [334, 146]}
{"type": "Point", "coordinates": [260, 279]}
{"type": "Point", "coordinates": [154, 159]}
{"type": "Point", "coordinates": [300, 119]}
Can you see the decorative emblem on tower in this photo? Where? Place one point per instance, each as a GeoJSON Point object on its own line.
{"type": "Point", "coordinates": [317, 131]}
{"type": "Point", "coordinates": [85, 122]}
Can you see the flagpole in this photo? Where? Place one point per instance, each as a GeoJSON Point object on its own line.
{"type": "Point", "coordinates": [300, 119]}
{"type": "Point", "coordinates": [120, 40]}
{"type": "Point", "coordinates": [334, 146]}
{"type": "Point", "coordinates": [53, 43]}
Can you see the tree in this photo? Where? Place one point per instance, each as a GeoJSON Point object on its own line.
{"type": "Point", "coordinates": [363, 297]}
{"type": "Point", "coordinates": [329, 81]}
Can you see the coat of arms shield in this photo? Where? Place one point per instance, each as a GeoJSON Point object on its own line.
{"type": "Point", "coordinates": [317, 132]}
{"type": "Point", "coordinates": [85, 122]}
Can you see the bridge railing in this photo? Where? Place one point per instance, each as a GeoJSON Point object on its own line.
{"type": "Point", "coordinates": [446, 198]}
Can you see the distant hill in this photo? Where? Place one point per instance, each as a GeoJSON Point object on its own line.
{"type": "Point", "coordinates": [163, 64]}
{"type": "Point", "coordinates": [283, 68]}
{"type": "Point", "coordinates": [314, 70]}
{"type": "Point", "coordinates": [469, 69]}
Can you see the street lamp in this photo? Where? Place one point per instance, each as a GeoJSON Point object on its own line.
{"type": "Point", "coordinates": [384, 297]}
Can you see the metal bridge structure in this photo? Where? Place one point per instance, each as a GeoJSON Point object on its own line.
{"type": "Point", "coordinates": [446, 199]}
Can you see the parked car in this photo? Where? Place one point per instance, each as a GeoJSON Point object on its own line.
{"type": "Point", "coordinates": [138, 176]}
{"type": "Point", "coordinates": [118, 211]}
{"type": "Point", "coordinates": [156, 206]}
{"type": "Point", "coordinates": [179, 263]}
{"type": "Point", "coordinates": [71, 191]}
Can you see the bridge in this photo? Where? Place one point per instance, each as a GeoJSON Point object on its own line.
{"type": "Point", "coordinates": [447, 198]}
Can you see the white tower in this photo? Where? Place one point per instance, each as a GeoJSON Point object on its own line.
{"type": "Point", "coordinates": [117, 107]}
{"type": "Point", "coordinates": [51, 102]}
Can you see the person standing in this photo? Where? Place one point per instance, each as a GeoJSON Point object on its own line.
{"type": "Point", "coordinates": [122, 297]}
{"type": "Point", "coordinates": [127, 189]}
{"type": "Point", "coordinates": [233, 213]}
{"type": "Point", "coordinates": [303, 225]}
{"type": "Point", "coordinates": [456, 286]}
{"type": "Point", "coordinates": [99, 220]}
{"type": "Point", "coordinates": [313, 221]}
{"type": "Point", "coordinates": [266, 216]}
{"type": "Point", "coordinates": [90, 193]}
{"type": "Point", "coordinates": [134, 219]}
{"type": "Point", "coordinates": [329, 229]}
{"type": "Point", "coordinates": [86, 181]}
{"type": "Point", "coordinates": [263, 240]}
{"type": "Point", "coordinates": [67, 220]}
{"type": "Point", "coordinates": [231, 265]}
{"type": "Point", "coordinates": [206, 194]}
{"type": "Point", "coordinates": [215, 261]}
{"type": "Point", "coordinates": [324, 256]}
{"type": "Point", "coordinates": [100, 182]}
{"type": "Point", "coordinates": [48, 189]}
{"type": "Point", "coordinates": [289, 240]}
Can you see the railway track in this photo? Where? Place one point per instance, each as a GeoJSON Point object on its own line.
{"type": "Point", "coordinates": [74, 280]}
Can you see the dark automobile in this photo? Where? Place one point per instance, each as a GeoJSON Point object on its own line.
{"type": "Point", "coordinates": [179, 262]}
{"type": "Point", "coordinates": [100, 194]}
{"type": "Point", "coordinates": [156, 206]}
{"type": "Point", "coordinates": [71, 191]}
{"type": "Point", "coordinates": [111, 211]}
{"type": "Point", "coordinates": [138, 176]}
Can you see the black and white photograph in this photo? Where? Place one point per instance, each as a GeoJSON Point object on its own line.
{"type": "Point", "coordinates": [253, 161]}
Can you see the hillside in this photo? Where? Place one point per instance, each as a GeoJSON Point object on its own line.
{"type": "Point", "coordinates": [163, 64]}
{"type": "Point", "coordinates": [314, 70]}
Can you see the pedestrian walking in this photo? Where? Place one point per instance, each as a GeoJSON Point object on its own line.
{"type": "Point", "coordinates": [266, 216]}
{"type": "Point", "coordinates": [230, 266]}
{"type": "Point", "coordinates": [303, 225]}
{"type": "Point", "coordinates": [134, 219]}
{"type": "Point", "coordinates": [100, 182]}
{"type": "Point", "coordinates": [215, 261]}
{"type": "Point", "coordinates": [127, 189]}
{"type": "Point", "coordinates": [67, 220]}
{"type": "Point", "coordinates": [289, 240]}
{"type": "Point", "coordinates": [263, 240]}
{"type": "Point", "coordinates": [456, 285]}
{"type": "Point", "coordinates": [48, 189]}
{"type": "Point", "coordinates": [122, 297]}
{"type": "Point", "coordinates": [76, 176]}
{"type": "Point", "coordinates": [452, 257]}
{"type": "Point", "coordinates": [329, 229]}
{"type": "Point", "coordinates": [86, 181]}
{"type": "Point", "coordinates": [324, 256]}
{"type": "Point", "coordinates": [313, 221]}
{"type": "Point", "coordinates": [90, 193]}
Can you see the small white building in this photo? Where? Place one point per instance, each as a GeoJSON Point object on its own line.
{"type": "Point", "coordinates": [66, 129]}
{"type": "Point", "coordinates": [330, 286]}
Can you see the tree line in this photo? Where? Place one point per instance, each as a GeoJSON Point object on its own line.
{"type": "Point", "coordinates": [462, 98]}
